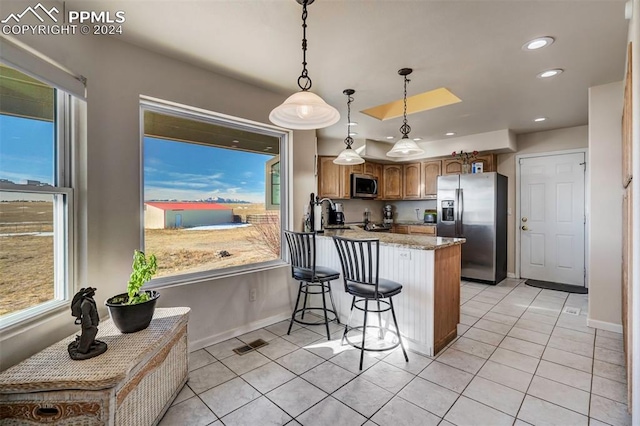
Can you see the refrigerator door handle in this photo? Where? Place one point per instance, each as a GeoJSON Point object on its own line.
{"type": "Point", "coordinates": [457, 213]}
{"type": "Point", "coordinates": [460, 211]}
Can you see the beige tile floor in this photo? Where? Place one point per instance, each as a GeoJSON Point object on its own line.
{"type": "Point", "coordinates": [518, 360]}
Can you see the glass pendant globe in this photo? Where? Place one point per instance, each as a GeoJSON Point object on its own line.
{"type": "Point", "coordinates": [348, 157]}
{"type": "Point", "coordinates": [304, 110]}
{"type": "Point", "coordinates": [405, 147]}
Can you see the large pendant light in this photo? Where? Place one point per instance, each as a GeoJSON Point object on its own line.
{"type": "Point", "coordinates": [304, 110]}
{"type": "Point", "coordinates": [405, 146]}
{"type": "Point", "coordinates": [348, 156]}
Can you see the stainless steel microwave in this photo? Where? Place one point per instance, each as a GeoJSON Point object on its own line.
{"type": "Point", "coordinates": [363, 186]}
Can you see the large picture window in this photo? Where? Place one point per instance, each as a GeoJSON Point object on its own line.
{"type": "Point", "coordinates": [36, 198]}
{"type": "Point", "coordinates": [209, 189]}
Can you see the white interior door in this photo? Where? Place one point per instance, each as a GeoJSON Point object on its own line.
{"type": "Point", "coordinates": [552, 218]}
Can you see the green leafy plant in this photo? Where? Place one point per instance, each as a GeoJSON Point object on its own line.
{"type": "Point", "coordinates": [143, 269]}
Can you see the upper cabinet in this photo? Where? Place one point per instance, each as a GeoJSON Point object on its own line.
{"type": "Point", "coordinates": [430, 172]}
{"type": "Point", "coordinates": [408, 181]}
{"type": "Point", "coordinates": [330, 178]}
{"type": "Point", "coordinates": [373, 169]}
{"type": "Point", "coordinates": [392, 182]}
{"type": "Point", "coordinates": [453, 166]}
{"type": "Point", "coordinates": [411, 182]}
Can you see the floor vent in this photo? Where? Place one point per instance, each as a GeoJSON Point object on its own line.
{"type": "Point", "coordinates": [571, 311]}
{"type": "Point", "coordinates": [250, 347]}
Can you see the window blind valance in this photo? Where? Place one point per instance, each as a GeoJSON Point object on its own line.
{"type": "Point", "coordinates": [22, 57]}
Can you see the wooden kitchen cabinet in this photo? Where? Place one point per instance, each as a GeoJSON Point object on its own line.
{"type": "Point", "coordinates": [373, 169]}
{"type": "Point", "coordinates": [422, 229]}
{"type": "Point", "coordinates": [453, 166]}
{"type": "Point", "coordinates": [414, 229]}
{"type": "Point", "coordinates": [392, 182]}
{"type": "Point", "coordinates": [330, 178]}
{"type": "Point", "coordinates": [489, 162]}
{"type": "Point", "coordinates": [400, 229]}
{"type": "Point", "coordinates": [430, 172]}
{"type": "Point", "coordinates": [411, 182]}
{"type": "Point", "coordinates": [334, 181]}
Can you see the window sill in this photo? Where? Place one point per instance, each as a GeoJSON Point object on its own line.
{"type": "Point", "coordinates": [199, 277]}
{"type": "Point", "coordinates": [24, 319]}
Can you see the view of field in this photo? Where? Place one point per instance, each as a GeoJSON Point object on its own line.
{"type": "Point", "coordinates": [26, 249]}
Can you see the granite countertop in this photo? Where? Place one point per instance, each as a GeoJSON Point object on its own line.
{"type": "Point", "coordinates": [417, 242]}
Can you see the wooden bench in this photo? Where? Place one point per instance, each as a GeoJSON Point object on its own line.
{"type": "Point", "coordinates": [133, 383]}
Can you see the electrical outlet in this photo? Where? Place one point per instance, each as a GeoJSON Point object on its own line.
{"type": "Point", "coordinates": [252, 295]}
{"type": "Point", "coordinates": [405, 254]}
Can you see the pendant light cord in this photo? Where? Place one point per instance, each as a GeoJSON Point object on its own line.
{"type": "Point", "coordinates": [349, 139]}
{"type": "Point", "coordinates": [304, 81]}
{"type": "Point", "coordinates": [405, 129]}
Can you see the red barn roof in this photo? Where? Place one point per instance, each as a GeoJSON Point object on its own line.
{"type": "Point", "coordinates": [186, 206]}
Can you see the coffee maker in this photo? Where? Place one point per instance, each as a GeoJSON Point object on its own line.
{"type": "Point", "coordinates": [387, 215]}
{"type": "Point", "coordinates": [336, 215]}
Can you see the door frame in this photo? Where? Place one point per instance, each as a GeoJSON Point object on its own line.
{"type": "Point", "coordinates": [587, 191]}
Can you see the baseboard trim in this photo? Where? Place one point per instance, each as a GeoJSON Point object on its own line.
{"type": "Point", "coordinates": [511, 275]}
{"type": "Point", "coordinates": [603, 325]}
{"type": "Point", "coordinates": [238, 331]}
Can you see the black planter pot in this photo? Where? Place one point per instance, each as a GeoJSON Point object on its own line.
{"type": "Point", "coordinates": [132, 318]}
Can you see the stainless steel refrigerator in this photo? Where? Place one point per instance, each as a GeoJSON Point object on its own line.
{"type": "Point", "coordinates": [474, 206]}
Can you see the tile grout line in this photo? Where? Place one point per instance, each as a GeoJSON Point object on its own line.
{"type": "Point", "coordinates": [485, 362]}
{"type": "Point", "coordinates": [435, 358]}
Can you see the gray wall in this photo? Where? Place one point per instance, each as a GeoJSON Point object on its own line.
{"type": "Point", "coordinates": [109, 193]}
{"type": "Point", "coordinates": [605, 205]}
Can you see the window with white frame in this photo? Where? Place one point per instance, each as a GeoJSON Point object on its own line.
{"type": "Point", "coordinates": [36, 196]}
{"type": "Point", "coordinates": [214, 190]}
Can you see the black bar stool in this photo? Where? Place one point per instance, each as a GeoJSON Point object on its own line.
{"type": "Point", "coordinates": [360, 267]}
{"type": "Point", "coordinates": [313, 279]}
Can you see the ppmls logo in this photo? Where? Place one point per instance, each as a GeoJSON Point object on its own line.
{"type": "Point", "coordinates": [34, 11]}
{"type": "Point", "coordinates": [72, 22]}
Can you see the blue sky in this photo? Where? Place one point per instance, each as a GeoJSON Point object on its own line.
{"type": "Point", "coordinates": [172, 170]}
{"type": "Point", "coordinates": [186, 171]}
{"type": "Point", "coordinates": [26, 149]}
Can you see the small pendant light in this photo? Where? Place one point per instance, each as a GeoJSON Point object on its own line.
{"type": "Point", "coordinates": [304, 110]}
{"type": "Point", "coordinates": [348, 155]}
{"type": "Point", "coordinates": [405, 146]}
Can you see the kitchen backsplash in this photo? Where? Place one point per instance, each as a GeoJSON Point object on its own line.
{"type": "Point", "coordinates": [406, 210]}
{"type": "Point", "coordinates": [402, 210]}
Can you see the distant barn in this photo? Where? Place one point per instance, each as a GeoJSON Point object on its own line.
{"type": "Point", "coordinates": [163, 215]}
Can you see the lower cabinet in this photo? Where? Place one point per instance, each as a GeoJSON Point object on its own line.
{"type": "Point", "coordinates": [414, 229]}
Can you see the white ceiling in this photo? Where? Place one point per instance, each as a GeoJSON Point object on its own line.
{"type": "Point", "coordinates": [472, 47]}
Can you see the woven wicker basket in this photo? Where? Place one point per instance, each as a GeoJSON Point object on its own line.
{"type": "Point", "coordinates": [133, 383]}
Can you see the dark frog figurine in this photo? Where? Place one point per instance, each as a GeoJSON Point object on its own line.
{"type": "Point", "coordinates": [84, 309]}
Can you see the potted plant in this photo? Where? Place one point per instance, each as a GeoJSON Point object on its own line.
{"type": "Point", "coordinates": [132, 311]}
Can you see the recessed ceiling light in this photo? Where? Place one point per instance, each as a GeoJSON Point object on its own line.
{"type": "Point", "coordinates": [235, 141]}
{"type": "Point", "coordinates": [417, 139]}
{"type": "Point", "coordinates": [450, 133]}
{"type": "Point", "coordinates": [352, 133]}
{"type": "Point", "coordinates": [539, 119]}
{"type": "Point", "coordinates": [352, 123]}
{"type": "Point", "coordinates": [550, 73]}
{"type": "Point", "coordinates": [390, 137]}
{"type": "Point", "coordinates": [538, 43]}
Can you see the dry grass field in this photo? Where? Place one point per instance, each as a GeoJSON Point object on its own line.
{"type": "Point", "coordinates": [26, 261]}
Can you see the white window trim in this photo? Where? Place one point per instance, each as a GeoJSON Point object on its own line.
{"type": "Point", "coordinates": [64, 244]}
{"type": "Point", "coordinates": [286, 188]}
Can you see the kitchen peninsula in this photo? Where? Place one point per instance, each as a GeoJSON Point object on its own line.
{"type": "Point", "coordinates": [428, 309]}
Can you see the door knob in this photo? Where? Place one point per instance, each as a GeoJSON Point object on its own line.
{"type": "Point", "coordinates": [524, 228]}
{"type": "Point", "coordinates": [524, 219]}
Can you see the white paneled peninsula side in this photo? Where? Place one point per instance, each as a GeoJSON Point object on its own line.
{"type": "Point", "coordinates": [428, 309]}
